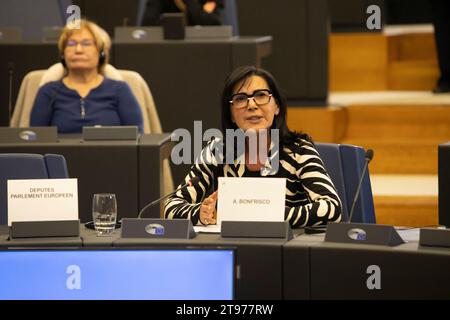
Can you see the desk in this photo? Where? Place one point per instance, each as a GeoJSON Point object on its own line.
{"type": "Point", "coordinates": [342, 271]}
{"type": "Point", "coordinates": [259, 260]}
{"type": "Point", "coordinates": [111, 167]}
{"type": "Point", "coordinates": [178, 72]}
{"type": "Point", "coordinates": [304, 267]}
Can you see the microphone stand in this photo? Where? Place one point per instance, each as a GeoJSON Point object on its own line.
{"type": "Point", "coordinates": [162, 198]}
{"type": "Point", "coordinates": [10, 85]}
{"type": "Point", "coordinates": [159, 228]}
{"type": "Point", "coordinates": [362, 233]}
{"type": "Point", "coordinates": [352, 210]}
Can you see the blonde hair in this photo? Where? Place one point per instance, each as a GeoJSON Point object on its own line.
{"type": "Point", "coordinates": [101, 38]}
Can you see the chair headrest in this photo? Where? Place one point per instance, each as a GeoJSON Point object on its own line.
{"type": "Point", "coordinates": [56, 72]}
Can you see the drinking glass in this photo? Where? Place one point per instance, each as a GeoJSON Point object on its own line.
{"type": "Point", "coordinates": [104, 213]}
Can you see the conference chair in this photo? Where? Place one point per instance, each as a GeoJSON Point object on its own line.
{"type": "Point", "coordinates": [344, 164]}
{"type": "Point", "coordinates": [35, 79]}
{"type": "Point", "coordinates": [27, 166]}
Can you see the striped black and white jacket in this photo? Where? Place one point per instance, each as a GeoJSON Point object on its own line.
{"type": "Point", "coordinates": [311, 198]}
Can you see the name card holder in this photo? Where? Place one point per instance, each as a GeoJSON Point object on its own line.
{"type": "Point", "coordinates": [157, 228]}
{"type": "Point", "coordinates": [362, 233]}
{"type": "Point", "coordinates": [173, 26]}
{"type": "Point", "coordinates": [110, 133]}
{"type": "Point", "coordinates": [434, 237]}
{"type": "Point", "coordinates": [44, 229]}
{"type": "Point", "coordinates": [256, 229]}
{"type": "Point", "coordinates": [28, 135]}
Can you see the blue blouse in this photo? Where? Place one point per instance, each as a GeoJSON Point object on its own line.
{"type": "Point", "coordinates": [110, 104]}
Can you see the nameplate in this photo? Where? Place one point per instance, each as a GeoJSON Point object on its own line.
{"type": "Point", "coordinates": [42, 200]}
{"type": "Point", "coordinates": [208, 32]}
{"type": "Point", "coordinates": [256, 229]}
{"type": "Point", "coordinates": [28, 135]}
{"type": "Point", "coordinates": [10, 34]}
{"type": "Point", "coordinates": [44, 229]}
{"type": "Point", "coordinates": [251, 199]}
{"type": "Point", "coordinates": [157, 228]}
{"type": "Point", "coordinates": [434, 237]}
{"type": "Point", "coordinates": [110, 133]}
{"type": "Point", "coordinates": [361, 233]}
{"type": "Point", "coordinates": [51, 34]}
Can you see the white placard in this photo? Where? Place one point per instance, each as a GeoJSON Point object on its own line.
{"type": "Point", "coordinates": [42, 200]}
{"type": "Point", "coordinates": [251, 199]}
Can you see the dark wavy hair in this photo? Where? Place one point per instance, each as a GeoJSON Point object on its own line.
{"type": "Point", "coordinates": [287, 137]}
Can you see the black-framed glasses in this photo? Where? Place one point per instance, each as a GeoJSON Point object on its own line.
{"type": "Point", "coordinates": [261, 97]}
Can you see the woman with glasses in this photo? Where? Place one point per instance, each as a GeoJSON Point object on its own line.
{"type": "Point", "coordinates": [84, 97]}
{"type": "Point", "coordinates": [252, 102]}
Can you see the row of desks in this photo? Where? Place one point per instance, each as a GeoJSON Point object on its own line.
{"type": "Point", "coordinates": [130, 169]}
{"type": "Point", "coordinates": [305, 267]}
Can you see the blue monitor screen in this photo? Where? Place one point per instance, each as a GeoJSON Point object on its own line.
{"type": "Point", "coordinates": [117, 274]}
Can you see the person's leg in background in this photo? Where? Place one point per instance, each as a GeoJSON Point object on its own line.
{"type": "Point", "coordinates": [441, 20]}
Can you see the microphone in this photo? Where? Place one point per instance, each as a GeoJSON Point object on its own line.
{"type": "Point", "coordinates": [194, 181]}
{"type": "Point", "coordinates": [368, 157]}
{"type": "Point", "coordinates": [10, 87]}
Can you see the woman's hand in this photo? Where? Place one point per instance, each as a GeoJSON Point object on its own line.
{"type": "Point", "coordinates": [208, 209]}
{"type": "Point", "coordinates": [209, 7]}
